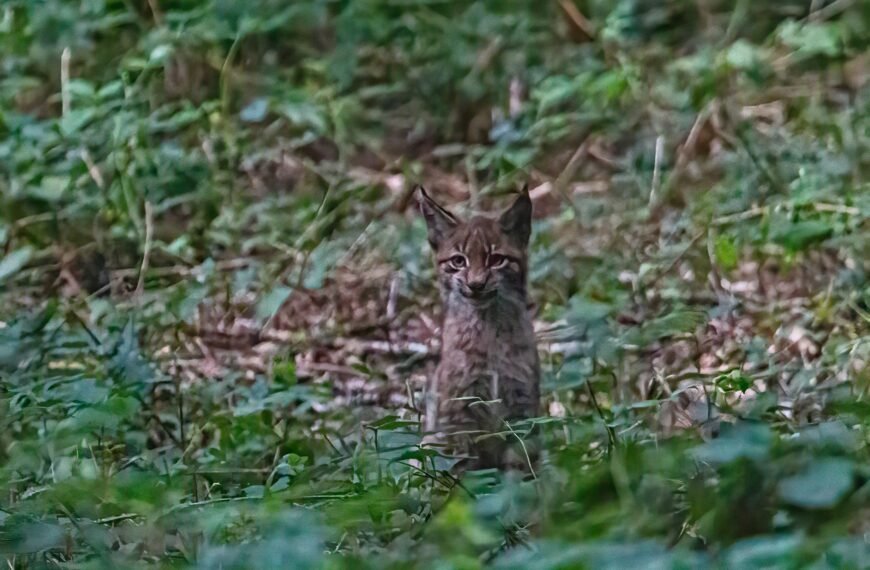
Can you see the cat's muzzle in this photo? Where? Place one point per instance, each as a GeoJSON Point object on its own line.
{"type": "Point", "coordinates": [479, 296]}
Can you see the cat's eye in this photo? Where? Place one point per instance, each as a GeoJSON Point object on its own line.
{"type": "Point", "coordinates": [496, 260]}
{"type": "Point", "coordinates": [457, 261]}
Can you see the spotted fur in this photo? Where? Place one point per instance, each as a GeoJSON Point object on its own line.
{"type": "Point", "coordinates": [489, 372]}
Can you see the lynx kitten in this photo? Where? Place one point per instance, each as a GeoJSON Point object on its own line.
{"type": "Point", "coordinates": [489, 374]}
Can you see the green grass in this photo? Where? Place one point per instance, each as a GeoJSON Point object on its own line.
{"type": "Point", "coordinates": [217, 306]}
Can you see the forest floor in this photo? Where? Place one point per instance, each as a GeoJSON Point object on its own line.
{"type": "Point", "coordinates": [218, 308]}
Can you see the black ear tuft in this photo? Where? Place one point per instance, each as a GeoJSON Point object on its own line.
{"type": "Point", "coordinates": [439, 221]}
{"type": "Point", "coordinates": [516, 221]}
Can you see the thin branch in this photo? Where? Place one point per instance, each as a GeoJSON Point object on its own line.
{"type": "Point", "coordinates": [740, 216]}
{"type": "Point", "coordinates": [657, 170]}
{"type": "Point", "coordinates": [829, 11]}
{"type": "Point", "coordinates": [525, 450]}
{"type": "Point", "coordinates": [183, 270]}
{"type": "Point", "coordinates": [65, 57]}
{"type": "Point", "coordinates": [568, 173]}
{"type": "Point", "coordinates": [156, 12]}
{"type": "Point", "coordinates": [223, 80]}
{"type": "Point", "coordinates": [149, 234]}
{"type": "Point", "coordinates": [685, 150]}
{"type": "Point", "coordinates": [611, 435]}
{"type": "Point", "coordinates": [757, 211]}
{"type": "Point", "coordinates": [676, 260]}
{"type": "Point", "coordinates": [117, 518]}
{"type": "Point", "coordinates": [93, 169]}
{"type": "Point", "coordinates": [579, 21]}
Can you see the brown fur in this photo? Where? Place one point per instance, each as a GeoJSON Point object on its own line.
{"type": "Point", "coordinates": [489, 372]}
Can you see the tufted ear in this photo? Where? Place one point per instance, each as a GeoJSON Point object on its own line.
{"type": "Point", "coordinates": [516, 221]}
{"type": "Point", "coordinates": [439, 221]}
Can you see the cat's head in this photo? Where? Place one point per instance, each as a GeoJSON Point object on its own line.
{"type": "Point", "coordinates": [482, 258]}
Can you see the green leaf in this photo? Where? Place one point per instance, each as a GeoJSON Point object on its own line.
{"type": "Point", "coordinates": [304, 113]}
{"type": "Point", "coordinates": [726, 252]}
{"type": "Point", "coordinates": [75, 120]}
{"type": "Point", "coordinates": [391, 422]}
{"type": "Point", "coordinates": [255, 111]}
{"type": "Point", "coordinates": [284, 372]}
{"type": "Point", "coordinates": [762, 552]}
{"type": "Point", "coordinates": [321, 261]}
{"type": "Point", "coordinates": [800, 235]}
{"type": "Point", "coordinates": [552, 555]}
{"type": "Point", "coordinates": [569, 378]}
{"type": "Point", "coordinates": [13, 262]}
{"type": "Point", "coordinates": [160, 54]}
{"type": "Point", "coordinates": [743, 55]}
{"type": "Point", "coordinates": [51, 188]}
{"type": "Point", "coordinates": [584, 310]}
{"type": "Point", "coordinates": [822, 485]}
{"type": "Point", "coordinates": [271, 302]}
{"type": "Point", "coordinates": [735, 441]}
{"type": "Point", "coordinates": [812, 38]}
{"type": "Point", "coordinates": [680, 321]}
{"type": "Point", "coordinates": [735, 381]}
{"type": "Point", "coordinates": [831, 435]}
{"type": "Point", "coordinates": [22, 537]}
{"type": "Point", "coordinates": [81, 88]}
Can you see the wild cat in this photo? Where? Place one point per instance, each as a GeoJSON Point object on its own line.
{"type": "Point", "coordinates": [489, 373]}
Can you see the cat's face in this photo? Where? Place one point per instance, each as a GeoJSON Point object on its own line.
{"type": "Point", "coordinates": [482, 258]}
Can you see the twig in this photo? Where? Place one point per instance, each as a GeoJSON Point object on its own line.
{"type": "Point", "coordinates": [117, 518]}
{"type": "Point", "coordinates": [184, 270]}
{"type": "Point", "coordinates": [767, 170]}
{"type": "Point", "coordinates": [300, 280]}
{"type": "Point", "coordinates": [34, 219]}
{"type": "Point", "coordinates": [814, 8]}
{"type": "Point", "coordinates": [657, 170]}
{"type": "Point", "coordinates": [676, 260]}
{"type": "Point", "coordinates": [829, 11]}
{"type": "Point", "coordinates": [166, 429]}
{"type": "Point", "coordinates": [65, 57]}
{"type": "Point", "coordinates": [734, 22]}
{"type": "Point", "coordinates": [611, 435]}
{"type": "Point", "coordinates": [94, 338]}
{"type": "Point", "coordinates": [225, 68]}
{"type": "Point", "coordinates": [380, 346]}
{"type": "Point", "coordinates": [515, 97]}
{"type": "Point", "coordinates": [146, 253]}
{"type": "Point", "coordinates": [393, 296]}
{"type": "Point", "coordinates": [473, 187]}
{"type": "Point", "coordinates": [310, 368]}
{"type": "Point", "coordinates": [568, 173]}
{"type": "Point", "coordinates": [93, 169]}
{"type": "Point", "coordinates": [236, 471]}
{"type": "Point", "coordinates": [757, 211]}
{"type": "Point", "coordinates": [155, 11]}
{"type": "Point", "coordinates": [360, 346]}
{"type": "Point", "coordinates": [98, 547]}
{"type": "Point", "coordinates": [195, 504]}
{"type": "Point", "coordinates": [740, 216]}
{"type": "Point", "coordinates": [581, 22]}
{"type": "Point", "coordinates": [686, 149]}
{"type": "Point", "coordinates": [837, 209]}
{"type": "Point", "coordinates": [487, 54]}
{"type": "Point", "coordinates": [715, 276]}
{"type": "Point", "coordinates": [525, 451]}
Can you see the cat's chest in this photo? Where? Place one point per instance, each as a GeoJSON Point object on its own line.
{"type": "Point", "coordinates": [510, 355]}
{"type": "Point", "coordinates": [478, 347]}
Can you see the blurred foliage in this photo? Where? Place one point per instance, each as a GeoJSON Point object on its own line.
{"type": "Point", "coordinates": [246, 149]}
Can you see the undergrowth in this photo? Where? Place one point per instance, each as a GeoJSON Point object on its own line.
{"type": "Point", "coordinates": [216, 298]}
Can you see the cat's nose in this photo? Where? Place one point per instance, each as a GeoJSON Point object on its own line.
{"type": "Point", "coordinates": [476, 283]}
